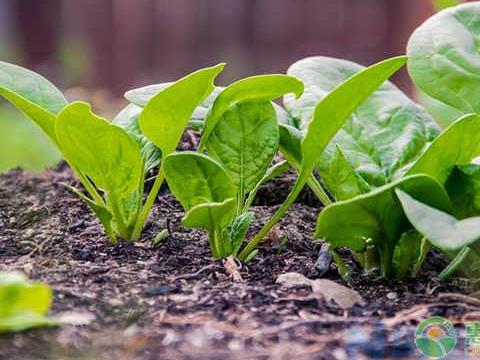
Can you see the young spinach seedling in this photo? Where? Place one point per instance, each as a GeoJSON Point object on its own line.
{"type": "Point", "coordinates": [327, 119]}
{"type": "Point", "coordinates": [241, 138]}
{"type": "Point", "coordinates": [23, 305]}
{"type": "Point", "coordinates": [110, 161]}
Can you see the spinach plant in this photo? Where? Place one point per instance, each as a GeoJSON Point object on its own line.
{"type": "Point", "coordinates": [240, 135]}
{"type": "Point", "coordinates": [327, 119]}
{"type": "Point", "coordinates": [23, 305]}
{"type": "Point", "coordinates": [458, 238]}
{"type": "Point", "coordinates": [109, 160]}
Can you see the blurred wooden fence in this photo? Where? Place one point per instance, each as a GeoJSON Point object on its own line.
{"type": "Point", "coordinates": [135, 42]}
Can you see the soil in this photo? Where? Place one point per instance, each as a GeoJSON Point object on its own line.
{"type": "Point", "coordinates": [173, 301]}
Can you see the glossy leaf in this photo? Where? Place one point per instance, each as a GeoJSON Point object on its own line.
{"type": "Point", "coordinates": [239, 229]}
{"type": "Point", "coordinates": [440, 228]}
{"type": "Point", "coordinates": [260, 88]}
{"type": "Point", "coordinates": [33, 95]}
{"type": "Point", "coordinates": [165, 116]}
{"type": "Point", "coordinates": [376, 215]}
{"type": "Point", "coordinates": [443, 58]}
{"type": "Point", "coordinates": [273, 172]}
{"type": "Point", "coordinates": [244, 142]}
{"type": "Point", "coordinates": [196, 179]}
{"type": "Point", "coordinates": [459, 144]}
{"type": "Point", "coordinates": [127, 119]}
{"type": "Point", "coordinates": [210, 215]}
{"type": "Point", "coordinates": [382, 138]}
{"type": "Point", "coordinates": [329, 116]}
{"type": "Point", "coordinates": [100, 150]}
{"type": "Point", "coordinates": [23, 305]}
{"type": "Point", "coordinates": [463, 187]}
{"type": "Point", "coordinates": [141, 96]}
{"type": "Point", "coordinates": [335, 108]}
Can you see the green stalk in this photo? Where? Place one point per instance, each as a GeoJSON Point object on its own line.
{"type": "Point", "coordinates": [386, 257]}
{"type": "Point", "coordinates": [292, 196]}
{"type": "Point", "coordinates": [147, 207]}
{"type": "Point", "coordinates": [454, 264]}
{"type": "Point", "coordinates": [117, 213]}
{"type": "Point", "coordinates": [370, 263]}
{"type": "Point", "coordinates": [343, 269]}
{"type": "Point", "coordinates": [424, 249]}
{"type": "Point", "coordinates": [318, 190]}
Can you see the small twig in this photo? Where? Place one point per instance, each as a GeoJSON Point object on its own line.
{"type": "Point", "coordinates": [195, 274]}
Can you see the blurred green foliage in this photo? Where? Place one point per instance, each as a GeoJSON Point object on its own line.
{"type": "Point", "coordinates": [22, 143]}
{"type": "Point", "coordinates": [442, 4]}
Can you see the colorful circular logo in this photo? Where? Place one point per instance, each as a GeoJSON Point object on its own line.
{"type": "Point", "coordinates": [435, 337]}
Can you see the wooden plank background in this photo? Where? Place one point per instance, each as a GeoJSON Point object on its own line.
{"type": "Point", "coordinates": [120, 44]}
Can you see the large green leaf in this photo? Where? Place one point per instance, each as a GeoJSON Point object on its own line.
{"type": "Point", "coordinates": [328, 118]}
{"type": "Point", "coordinates": [245, 141]}
{"type": "Point", "coordinates": [32, 94]}
{"type": "Point", "coordinates": [195, 179]}
{"type": "Point", "coordinates": [463, 187]}
{"type": "Point", "coordinates": [127, 119]}
{"type": "Point", "coordinates": [377, 215]}
{"type": "Point", "coordinates": [141, 96]}
{"type": "Point", "coordinates": [459, 144]}
{"type": "Point", "coordinates": [22, 304]}
{"type": "Point", "coordinates": [443, 57]}
{"type": "Point", "coordinates": [260, 88]}
{"type": "Point", "coordinates": [335, 108]}
{"type": "Point", "coordinates": [382, 138]}
{"type": "Point", "coordinates": [165, 116]}
{"type": "Point", "coordinates": [440, 228]}
{"type": "Point", "coordinates": [102, 151]}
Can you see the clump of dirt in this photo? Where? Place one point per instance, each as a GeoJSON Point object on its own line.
{"type": "Point", "coordinates": [138, 301]}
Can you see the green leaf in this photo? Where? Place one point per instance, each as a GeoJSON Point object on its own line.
{"type": "Point", "coordinates": [290, 144]}
{"type": "Point", "coordinates": [459, 144]}
{"type": "Point", "coordinates": [100, 150]}
{"type": "Point", "coordinates": [440, 228]}
{"type": "Point", "coordinates": [377, 216]}
{"type": "Point", "coordinates": [239, 229]}
{"type": "Point", "coordinates": [338, 105]}
{"type": "Point", "coordinates": [344, 182]}
{"type": "Point", "coordinates": [443, 58]}
{"type": "Point", "coordinates": [329, 116]}
{"type": "Point", "coordinates": [463, 187]}
{"type": "Point", "coordinates": [382, 138]}
{"type": "Point", "coordinates": [165, 116]}
{"type": "Point", "coordinates": [142, 96]}
{"type": "Point", "coordinates": [195, 179]}
{"type": "Point", "coordinates": [23, 305]}
{"type": "Point", "coordinates": [210, 215]}
{"type": "Point", "coordinates": [406, 253]}
{"type": "Point", "coordinates": [273, 172]}
{"type": "Point", "coordinates": [127, 119]}
{"type": "Point", "coordinates": [260, 88]}
{"type": "Point", "coordinates": [244, 142]}
{"type": "Point", "coordinates": [33, 95]}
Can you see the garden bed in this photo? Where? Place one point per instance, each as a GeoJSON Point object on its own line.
{"type": "Point", "coordinates": [138, 301]}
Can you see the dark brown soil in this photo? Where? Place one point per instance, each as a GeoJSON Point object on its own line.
{"type": "Point", "coordinates": [175, 302]}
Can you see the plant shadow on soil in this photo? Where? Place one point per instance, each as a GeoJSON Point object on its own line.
{"type": "Point", "coordinates": [174, 302]}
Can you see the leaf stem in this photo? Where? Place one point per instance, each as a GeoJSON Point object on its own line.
{"type": "Point", "coordinates": [147, 207]}
{"type": "Point", "coordinates": [117, 213]}
{"type": "Point", "coordinates": [318, 190]}
{"type": "Point", "coordinates": [454, 264]}
{"type": "Point", "coordinates": [424, 249]}
{"type": "Point", "coordinates": [292, 196]}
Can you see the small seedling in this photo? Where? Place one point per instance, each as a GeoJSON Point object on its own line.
{"type": "Point", "coordinates": [23, 305]}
